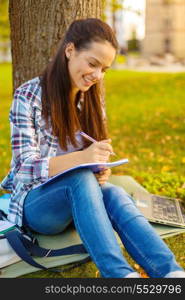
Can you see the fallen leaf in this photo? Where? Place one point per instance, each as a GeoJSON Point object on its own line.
{"type": "Point", "coordinates": [160, 159]}
{"type": "Point", "coordinates": [183, 160]}
{"type": "Point", "coordinates": [151, 154]}
{"type": "Point", "coordinates": [165, 168]}
{"type": "Point", "coordinates": [144, 150]}
{"type": "Point", "coordinates": [177, 137]}
{"type": "Point", "coordinates": [168, 137]}
{"type": "Point", "coordinates": [136, 266]}
{"type": "Point", "coordinates": [97, 274]}
{"type": "Point", "coordinates": [144, 275]}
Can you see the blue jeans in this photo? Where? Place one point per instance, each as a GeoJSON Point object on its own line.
{"type": "Point", "coordinates": [97, 211]}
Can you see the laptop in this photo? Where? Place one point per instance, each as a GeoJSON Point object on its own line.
{"type": "Point", "coordinates": [161, 209]}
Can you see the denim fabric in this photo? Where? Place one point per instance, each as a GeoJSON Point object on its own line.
{"type": "Point", "coordinates": [97, 211]}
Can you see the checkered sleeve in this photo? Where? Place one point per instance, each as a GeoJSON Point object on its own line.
{"type": "Point", "coordinates": [30, 166]}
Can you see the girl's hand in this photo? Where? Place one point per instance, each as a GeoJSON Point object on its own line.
{"type": "Point", "coordinates": [103, 176]}
{"type": "Point", "coordinates": [97, 152]}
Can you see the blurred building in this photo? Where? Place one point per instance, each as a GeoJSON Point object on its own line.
{"type": "Point", "coordinates": [127, 21]}
{"type": "Point", "coordinates": [164, 28]}
{"type": "Point", "coordinates": [115, 20]}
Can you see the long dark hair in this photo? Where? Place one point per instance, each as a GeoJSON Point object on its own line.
{"type": "Point", "coordinates": [65, 118]}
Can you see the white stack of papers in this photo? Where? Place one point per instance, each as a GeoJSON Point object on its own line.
{"type": "Point", "coordinates": [5, 225]}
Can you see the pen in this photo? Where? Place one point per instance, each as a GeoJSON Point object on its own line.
{"type": "Point", "coordinates": [91, 139]}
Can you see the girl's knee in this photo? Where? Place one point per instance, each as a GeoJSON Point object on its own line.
{"type": "Point", "coordinates": [119, 204]}
{"type": "Point", "coordinates": [116, 193]}
{"type": "Point", "coordinates": [114, 190]}
{"type": "Point", "coordinates": [85, 178]}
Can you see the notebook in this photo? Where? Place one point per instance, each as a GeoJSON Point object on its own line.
{"type": "Point", "coordinates": [161, 209]}
{"type": "Point", "coordinates": [95, 167]}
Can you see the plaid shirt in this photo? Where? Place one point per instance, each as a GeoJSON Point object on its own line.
{"type": "Point", "coordinates": [32, 147]}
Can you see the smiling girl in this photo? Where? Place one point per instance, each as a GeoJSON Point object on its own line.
{"type": "Point", "coordinates": [46, 117]}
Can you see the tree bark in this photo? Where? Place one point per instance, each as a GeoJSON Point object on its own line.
{"type": "Point", "coordinates": [36, 29]}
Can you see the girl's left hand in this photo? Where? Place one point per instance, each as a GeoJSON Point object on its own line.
{"type": "Point", "coordinates": [103, 176]}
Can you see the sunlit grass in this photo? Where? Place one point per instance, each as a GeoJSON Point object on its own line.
{"type": "Point", "coordinates": [146, 123]}
{"type": "Point", "coordinates": [5, 102]}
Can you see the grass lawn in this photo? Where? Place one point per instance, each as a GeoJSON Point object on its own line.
{"type": "Point", "coordinates": [146, 123]}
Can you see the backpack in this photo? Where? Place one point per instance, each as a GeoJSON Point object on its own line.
{"type": "Point", "coordinates": [19, 243]}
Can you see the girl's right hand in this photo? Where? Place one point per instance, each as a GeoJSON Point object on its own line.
{"type": "Point", "coordinates": [98, 152]}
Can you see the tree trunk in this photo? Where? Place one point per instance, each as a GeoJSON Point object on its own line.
{"type": "Point", "coordinates": [36, 29]}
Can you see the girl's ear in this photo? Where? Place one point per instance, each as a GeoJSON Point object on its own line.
{"type": "Point", "coordinates": [69, 49]}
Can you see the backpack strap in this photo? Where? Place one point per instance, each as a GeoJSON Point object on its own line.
{"type": "Point", "coordinates": [25, 247]}
{"type": "Point", "coordinates": [3, 215]}
{"type": "Point", "coordinates": [36, 250]}
{"type": "Point", "coordinates": [14, 239]}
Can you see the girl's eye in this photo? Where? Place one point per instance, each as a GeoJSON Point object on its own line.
{"type": "Point", "coordinates": [92, 65]}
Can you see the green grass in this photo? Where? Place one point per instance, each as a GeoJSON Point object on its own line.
{"type": "Point", "coordinates": [146, 123]}
{"type": "Point", "coordinates": [5, 102]}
